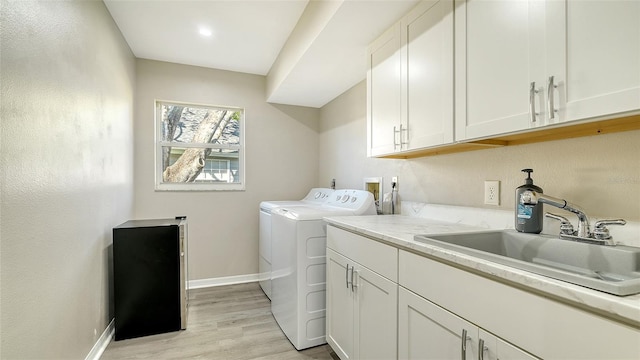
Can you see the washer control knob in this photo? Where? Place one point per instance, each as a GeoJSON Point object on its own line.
{"type": "Point", "coordinates": [354, 199]}
{"type": "Point", "coordinates": [318, 194]}
{"type": "Point", "coordinates": [345, 198]}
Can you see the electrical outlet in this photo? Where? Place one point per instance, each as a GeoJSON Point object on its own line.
{"type": "Point", "coordinates": [492, 192]}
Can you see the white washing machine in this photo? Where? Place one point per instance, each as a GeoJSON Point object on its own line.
{"type": "Point", "coordinates": [315, 197]}
{"type": "Point", "coordinates": [298, 284]}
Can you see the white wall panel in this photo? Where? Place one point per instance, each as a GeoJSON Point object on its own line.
{"type": "Point", "coordinates": [281, 163]}
{"type": "Point", "coordinates": [66, 173]}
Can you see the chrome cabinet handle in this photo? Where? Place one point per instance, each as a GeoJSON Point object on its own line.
{"type": "Point", "coordinates": [395, 144]}
{"type": "Point", "coordinates": [481, 349]}
{"type": "Point", "coordinates": [550, 99]}
{"type": "Point", "coordinates": [353, 278]}
{"type": "Point", "coordinates": [399, 134]}
{"type": "Point", "coordinates": [463, 349]}
{"type": "Point", "coordinates": [406, 131]}
{"type": "Point", "coordinates": [351, 282]}
{"type": "Point", "coordinates": [532, 101]}
{"type": "Point", "coordinates": [346, 276]}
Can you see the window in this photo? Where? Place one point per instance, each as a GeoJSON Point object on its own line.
{"type": "Point", "coordinates": [199, 147]}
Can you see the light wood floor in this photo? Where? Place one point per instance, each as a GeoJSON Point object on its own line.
{"type": "Point", "coordinates": [231, 322]}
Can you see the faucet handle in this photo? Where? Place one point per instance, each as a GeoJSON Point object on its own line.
{"type": "Point", "coordinates": [565, 225]}
{"type": "Point", "coordinates": [603, 223]}
{"type": "Point", "coordinates": [600, 230]}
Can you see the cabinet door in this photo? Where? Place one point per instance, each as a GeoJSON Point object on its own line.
{"type": "Point", "coordinates": [594, 56]}
{"type": "Point", "coordinates": [428, 92]}
{"type": "Point", "coordinates": [499, 55]}
{"type": "Point", "coordinates": [427, 331]}
{"type": "Point", "coordinates": [494, 348]}
{"type": "Point", "coordinates": [375, 315]}
{"type": "Point", "coordinates": [339, 310]}
{"type": "Point", "coordinates": [383, 95]}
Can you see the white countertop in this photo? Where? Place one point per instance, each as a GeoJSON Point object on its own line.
{"type": "Point", "coordinates": [399, 230]}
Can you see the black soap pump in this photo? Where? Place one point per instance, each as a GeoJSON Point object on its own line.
{"type": "Point", "coordinates": [528, 217]}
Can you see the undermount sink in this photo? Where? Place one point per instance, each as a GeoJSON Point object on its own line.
{"type": "Point", "coordinates": [611, 269]}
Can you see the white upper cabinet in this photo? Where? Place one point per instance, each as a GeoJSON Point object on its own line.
{"type": "Point", "coordinates": [593, 54]}
{"type": "Point", "coordinates": [383, 94]}
{"type": "Point", "coordinates": [499, 66]}
{"type": "Point", "coordinates": [428, 79]}
{"type": "Point", "coordinates": [526, 64]}
{"type": "Point", "coordinates": [481, 69]}
{"type": "Point", "coordinates": [410, 82]}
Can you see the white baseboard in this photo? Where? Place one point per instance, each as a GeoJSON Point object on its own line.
{"type": "Point", "coordinates": [102, 343]}
{"type": "Point", "coordinates": [228, 280]}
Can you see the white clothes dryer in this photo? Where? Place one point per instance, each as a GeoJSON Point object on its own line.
{"type": "Point", "coordinates": [298, 284]}
{"type": "Point", "coordinates": [315, 197]}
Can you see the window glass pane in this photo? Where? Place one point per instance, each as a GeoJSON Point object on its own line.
{"type": "Point", "coordinates": [200, 147]}
{"type": "Point", "coordinates": [189, 124]}
{"type": "Point", "coordinates": [200, 165]}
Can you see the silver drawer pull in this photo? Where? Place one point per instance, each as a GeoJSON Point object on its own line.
{"type": "Point", "coordinates": [463, 349]}
{"type": "Point", "coordinates": [353, 278]}
{"type": "Point", "coordinates": [406, 136]}
{"type": "Point", "coordinates": [532, 101]}
{"type": "Point", "coordinates": [395, 144]}
{"type": "Point", "coordinates": [481, 349]}
{"type": "Point", "coordinates": [346, 276]}
{"type": "Point", "coordinates": [550, 99]}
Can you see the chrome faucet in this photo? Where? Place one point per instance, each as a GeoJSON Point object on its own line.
{"type": "Point", "coordinates": [600, 234]}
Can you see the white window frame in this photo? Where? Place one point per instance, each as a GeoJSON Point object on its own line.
{"type": "Point", "coordinates": [197, 186]}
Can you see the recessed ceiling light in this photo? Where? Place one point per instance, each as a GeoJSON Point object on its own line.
{"type": "Point", "coordinates": [205, 32]}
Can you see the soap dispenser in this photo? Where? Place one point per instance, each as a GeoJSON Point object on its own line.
{"type": "Point", "coordinates": [528, 217]}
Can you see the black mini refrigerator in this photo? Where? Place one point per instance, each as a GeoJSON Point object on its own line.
{"type": "Point", "coordinates": [150, 276]}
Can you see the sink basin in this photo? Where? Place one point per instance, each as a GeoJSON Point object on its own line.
{"type": "Point", "coordinates": [612, 269]}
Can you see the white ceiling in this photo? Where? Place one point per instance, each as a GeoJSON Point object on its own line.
{"type": "Point", "coordinates": [248, 36]}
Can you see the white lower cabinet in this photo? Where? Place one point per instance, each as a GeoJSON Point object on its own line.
{"type": "Point", "coordinates": [361, 304]}
{"type": "Point", "coordinates": [427, 331]}
{"type": "Point", "coordinates": [340, 307]}
{"type": "Point", "coordinates": [361, 311]}
{"type": "Point", "coordinates": [538, 324]}
{"type": "Point", "coordinates": [388, 303]}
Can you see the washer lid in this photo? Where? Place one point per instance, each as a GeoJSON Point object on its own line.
{"type": "Point", "coordinates": [270, 205]}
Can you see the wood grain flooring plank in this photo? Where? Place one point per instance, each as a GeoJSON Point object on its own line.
{"type": "Point", "coordinates": [232, 322]}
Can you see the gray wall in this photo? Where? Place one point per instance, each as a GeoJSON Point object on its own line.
{"type": "Point", "coordinates": [600, 173]}
{"type": "Point", "coordinates": [67, 173]}
{"type": "Point", "coordinates": [281, 163]}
